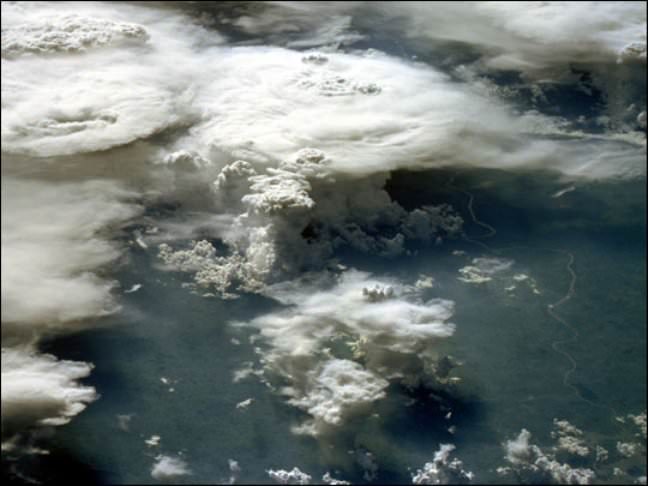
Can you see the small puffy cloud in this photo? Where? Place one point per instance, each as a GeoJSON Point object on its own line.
{"type": "Point", "coordinates": [529, 460]}
{"type": "Point", "coordinates": [327, 479]}
{"type": "Point", "coordinates": [627, 449]}
{"type": "Point", "coordinates": [153, 441]}
{"type": "Point", "coordinates": [483, 269]}
{"type": "Point", "coordinates": [570, 438]}
{"type": "Point", "coordinates": [244, 404]}
{"type": "Point", "coordinates": [235, 470]}
{"type": "Point", "coordinates": [442, 470]}
{"type": "Point", "coordinates": [640, 421]}
{"type": "Point", "coordinates": [295, 476]}
{"type": "Point", "coordinates": [169, 468]}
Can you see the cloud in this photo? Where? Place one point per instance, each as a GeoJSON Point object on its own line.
{"type": "Point", "coordinates": [235, 470]}
{"type": "Point", "coordinates": [442, 470]}
{"type": "Point", "coordinates": [420, 118]}
{"type": "Point", "coordinates": [396, 322]}
{"type": "Point", "coordinates": [570, 438]}
{"type": "Point", "coordinates": [39, 390]}
{"type": "Point", "coordinates": [169, 468]}
{"type": "Point", "coordinates": [294, 24]}
{"type": "Point", "coordinates": [534, 36]}
{"type": "Point", "coordinates": [294, 217]}
{"type": "Point", "coordinates": [93, 110]}
{"type": "Point", "coordinates": [529, 460]}
{"type": "Point", "coordinates": [52, 246]}
{"type": "Point", "coordinates": [261, 101]}
{"type": "Point", "coordinates": [327, 479]}
{"type": "Point", "coordinates": [627, 449]}
{"type": "Point", "coordinates": [337, 388]}
{"type": "Point", "coordinates": [69, 103]}
{"type": "Point", "coordinates": [281, 153]}
{"type": "Point", "coordinates": [640, 421]}
{"type": "Point", "coordinates": [68, 33]}
{"type": "Point", "coordinates": [573, 458]}
{"type": "Point", "coordinates": [483, 269]}
{"type": "Point", "coordinates": [381, 323]}
{"type": "Point", "coordinates": [295, 476]}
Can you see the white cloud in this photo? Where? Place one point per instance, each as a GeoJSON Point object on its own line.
{"type": "Point", "coordinates": [299, 146]}
{"type": "Point", "coordinates": [627, 449]}
{"type": "Point", "coordinates": [529, 460]}
{"type": "Point", "coordinates": [39, 390]}
{"type": "Point", "coordinates": [442, 470]}
{"type": "Point", "coordinates": [393, 334]}
{"type": "Point", "coordinates": [68, 33]}
{"type": "Point", "coordinates": [640, 421]}
{"type": "Point", "coordinates": [293, 217]}
{"type": "Point", "coordinates": [327, 479]}
{"type": "Point", "coordinates": [235, 470]}
{"type": "Point", "coordinates": [67, 104]}
{"type": "Point", "coordinates": [51, 247]}
{"type": "Point", "coordinates": [244, 404]}
{"type": "Point", "coordinates": [570, 438]}
{"type": "Point", "coordinates": [295, 476]}
{"type": "Point", "coordinates": [420, 118]}
{"type": "Point", "coordinates": [153, 441]}
{"type": "Point", "coordinates": [483, 269]}
{"type": "Point", "coordinates": [337, 388]}
{"type": "Point", "coordinates": [169, 468]}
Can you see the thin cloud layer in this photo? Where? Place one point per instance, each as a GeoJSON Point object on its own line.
{"type": "Point", "coordinates": [52, 245]}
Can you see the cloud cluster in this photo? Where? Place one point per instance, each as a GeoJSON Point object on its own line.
{"type": "Point", "coordinates": [296, 476]}
{"type": "Point", "coordinates": [527, 459]}
{"type": "Point", "coordinates": [261, 100]}
{"type": "Point", "coordinates": [640, 421]}
{"type": "Point", "coordinates": [383, 326]}
{"type": "Point", "coordinates": [85, 99]}
{"type": "Point", "coordinates": [574, 458]}
{"type": "Point", "coordinates": [52, 248]}
{"type": "Point", "coordinates": [483, 269]}
{"type": "Point", "coordinates": [287, 151]}
{"type": "Point", "coordinates": [604, 39]}
{"type": "Point", "coordinates": [570, 438]}
{"type": "Point", "coordinates": [442, 470]}
{"type": "Point", "coordinates": [68, 33]}
{"type": "Point", "coordinates": [293, 217]}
